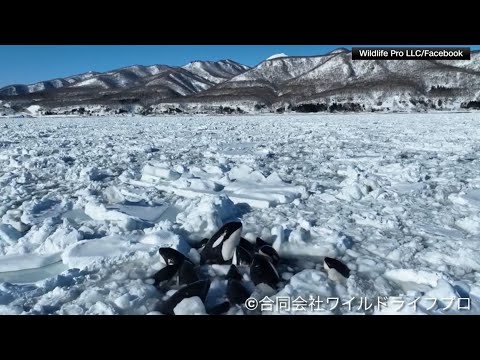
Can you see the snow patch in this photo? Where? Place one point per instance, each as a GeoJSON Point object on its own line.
{"type": "Point", "coordinates": [202, 217]}
{"type": "Point", "coordinates": [84, 253]}
{"type": "Point", "coordinates": [277, 56]}
{"type": "Point", "coordinates": [26, 261]}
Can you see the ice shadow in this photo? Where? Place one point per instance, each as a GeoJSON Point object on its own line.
{"type": "Point", "coordinates": [242, 209]}
{"type": "Point", "coordinates": [347, 240]}
{"type": "Point", "coordinates": [464, 296]}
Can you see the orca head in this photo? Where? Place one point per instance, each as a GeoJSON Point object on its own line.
{"type": "Point", "coordinates": [260, 242]}
{"type": "Point", "coordinates": [330, 263]}
{"type": "Point", "coordinates": [247, 245]}
{"type": "Point", "coordinates": [242, 256]}
{"type": "Point", "coordinates": [269, 251]}
{"type": "Point", "coordinates": [171, 256]}
{"type": "Point", "coordinates": [263, 271]}
{"type": "Point", "coordinates": [187, 273]}
{"type": "Point", "coordinates": [199, 288]}
{"type": "Point", "coordinates": [233, 273]}
{"type": "Point", "coordinates": [228, 237]}
{"type": "Point", "coordinates": [164, 275]}
{"type": "Point", "coordinates": [237, 294]}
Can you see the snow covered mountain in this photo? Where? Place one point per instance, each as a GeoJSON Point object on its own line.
{"type": "Point", "coordinates": [331, 82]}
{"type": "Point", "coordinates": [134, 84]}
{"type": "Point", "coordinates": [13, 90]}
{"type": "Point", "coordinates": [216, 72]}
{"type": "Point", "coordinates": [334, 79]}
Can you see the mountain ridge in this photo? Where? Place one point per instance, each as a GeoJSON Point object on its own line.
{"type": "Point", "coordinates": [327, 82]}
{"type": "Point", "coordinates": [74, 80]}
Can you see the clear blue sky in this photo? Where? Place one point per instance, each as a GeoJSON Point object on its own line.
{"type": "Point", "coordinates": [25, 64]}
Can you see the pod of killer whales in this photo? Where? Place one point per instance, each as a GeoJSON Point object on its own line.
{"type": "Point", "coordinates": [226, 246]}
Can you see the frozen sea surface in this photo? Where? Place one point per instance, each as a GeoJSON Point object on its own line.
{"type": "Point", "coordinates": [86, 202]}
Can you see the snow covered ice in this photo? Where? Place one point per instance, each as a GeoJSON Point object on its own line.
{"type": "Point", "coordinates": [85, 203]}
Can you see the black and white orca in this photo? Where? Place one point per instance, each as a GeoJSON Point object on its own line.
{"type": "Point", "coordinates": [200, 244]}
{"type": "Point", "coordinates": [171, 256]}
{"type": "Point", "coordinates": [221, 247]}
{"type": "Point", "coordinates": [233, 273]}
{"type": "Point", "coordinates": [187, 273]}
{"type": "Point", "coordinates": [242, 256]}
{"type": "Point", "coordinates": [247, 245]}
{"type": "Point", "coordinates": [237, 294]}
{"type": "Point", "coordinates": [260, 242]}
{"type": "Point", "coordinates": [263, 271]}
{"type": "Point", "coordinates": [199, 288]}
{"type": "Point", "coordinates": [177, 264]}
{"type": "Point", "coordinates": [336, 269]}
{"type": "Point", "coordinates": [163, 276]}
{"type": "Point", "coordinates": [269, 251]}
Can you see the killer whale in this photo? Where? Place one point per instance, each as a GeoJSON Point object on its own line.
{"type": "Point", "coordinates": [336, 265]}
{"type": "Point", "coordinates": [263, 271]}
{"type": "Point", "coordinates": [221, 247]}
{"type": "Point", "coordinates": [199, 288]}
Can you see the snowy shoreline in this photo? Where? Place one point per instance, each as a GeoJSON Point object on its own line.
{"type": "Point", "coordinates": [260, 114]}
